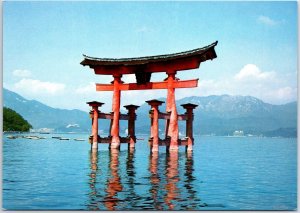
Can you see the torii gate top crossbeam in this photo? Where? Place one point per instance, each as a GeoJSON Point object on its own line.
{"type": "Point", "coordinates": [142, 67]}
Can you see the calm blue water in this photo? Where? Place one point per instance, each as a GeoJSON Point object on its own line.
{"type": "Point", "coordinates": [223, 173]}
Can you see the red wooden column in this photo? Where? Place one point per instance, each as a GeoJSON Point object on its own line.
{"type": "Point", "coordinates": [95, 113]}
{"type": "Point", "coordinates": [131, 124]}
{"type": "Point", "coordinates": [189, 124]}
{"type": "Point", "coordinates": [154, 106]}
{"type": "Point", "coordinates": [115, 140]}
{"type": "Point", "coordinates": [151, 125]}
{"type": "Point", "coordinates": [171, 107]}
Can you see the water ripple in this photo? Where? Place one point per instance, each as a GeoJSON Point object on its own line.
{"type": "Point", "coordinates": [221, 174]}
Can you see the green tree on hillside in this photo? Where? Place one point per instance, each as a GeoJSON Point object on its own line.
{"type": "Point", "coordinates": [12, 121]}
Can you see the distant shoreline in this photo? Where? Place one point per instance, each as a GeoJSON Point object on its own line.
{"type": "Point", "coordinates": [204, 135]}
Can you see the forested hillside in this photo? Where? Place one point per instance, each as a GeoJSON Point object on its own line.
{"type": "Point", "coordinates": [12, 121]}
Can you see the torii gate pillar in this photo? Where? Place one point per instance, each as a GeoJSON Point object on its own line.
{"type": "Point", "coordinates": [154, 124]}
{"type": "Point", "coordinates": [189, 124]}
{"type": "Point", "coordinates": [115, 140]}
{"type": "Point", "coordinates": [171, 107]}
{"type": "Point", "coordinates": [95, 105]}
{"type": "Point", "coordinates": [131, 124]}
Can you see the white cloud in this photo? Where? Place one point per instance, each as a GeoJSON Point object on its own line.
{"type": "Point", "coordinates": [208, 87]}
{"type": "Point", "coordinates": [138, 97]}
{"type": "Point", "coordinates": [22, 73]}
{"type": "Point", "coordinates": [129, 78]}
{"type": "Point", "coordinates": [85, 93]}
{"type": "Point", "coordinates": [33, 86]}
{"type": "Point", "coordinates": [252, 72]}
{"type": "Point", "coordinates": [86, 89]}
{"type": "Point", "coordinates": [250, 80]}
{"type": "Point", "coordinates": [267, 21]}
{"type": "Point", "coordinates": [286, 94]}
{"type": "Point", "coordinates": [271, 87]}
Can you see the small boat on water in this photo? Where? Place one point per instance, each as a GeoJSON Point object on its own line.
{"type": "Point", "coordinates": [32, 137]}
{"type": "Point", "coordinates": [64, 139]}
{"type": "Point", "coordinates": [11, 137]}
{"type": "Point", "coordinates": [57, 137]}
{"type": "Point", "coordinates": [78, 139]}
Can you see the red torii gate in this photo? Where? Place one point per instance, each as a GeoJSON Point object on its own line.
{"type": "Point", "coordinates": [143, 67]}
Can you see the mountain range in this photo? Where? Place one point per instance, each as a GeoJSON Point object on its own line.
{"type": "Point", "coordinates": [40, 115]}
{"type": "Point", "coordinates": [224, 114]}
{"type": "Point", "coordinates": [215, 115]}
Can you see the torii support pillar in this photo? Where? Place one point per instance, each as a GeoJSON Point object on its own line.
{"type": "Point", "coordinates": [115, 138]}
{"type": "Point", "coordinates": [189, 124]}
{"type": "Point", "coordinates": [131, 124]}
{"type": "Point", "coordinates": [172, 125]}
{"type": "Point", "coordinates": [154, 128]}
{"type": "Point", "coordinates": [95, 113]}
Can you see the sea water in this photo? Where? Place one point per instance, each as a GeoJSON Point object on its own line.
{"type": "Point", "coordinates": [222, 173]}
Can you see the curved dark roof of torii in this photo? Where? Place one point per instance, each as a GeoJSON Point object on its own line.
{"type": "Point", "coordinates": [207, 51]}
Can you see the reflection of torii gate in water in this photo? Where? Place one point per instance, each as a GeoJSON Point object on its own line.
{"type": "Point", "coordinates": [143, 67]}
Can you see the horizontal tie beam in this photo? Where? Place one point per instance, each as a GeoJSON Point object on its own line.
{"type": "Point", "coordinates": [151, 85]}
{"type": "Point", "coordinates": [110, 116]}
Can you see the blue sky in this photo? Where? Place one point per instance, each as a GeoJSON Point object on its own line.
{"type": "Point", "coordinates": [43, 43]}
